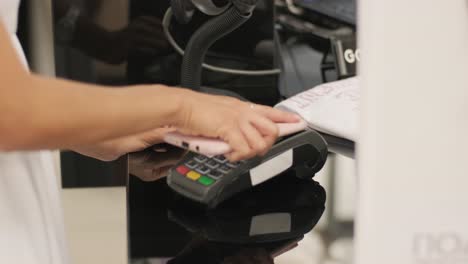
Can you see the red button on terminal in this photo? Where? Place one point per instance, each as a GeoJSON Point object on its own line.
{"type": "Point", "coordinates": [182, 170]}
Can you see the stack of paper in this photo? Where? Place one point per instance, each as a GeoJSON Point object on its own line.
{"type": "Point", "coordinates": [331, 108]}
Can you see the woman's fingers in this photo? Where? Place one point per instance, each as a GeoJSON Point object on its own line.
{"type": "Point", "coordinates": [258, 135]}
{"type": "Point", "coordinates": [268, 130]}
{"type": "Point", "coordinates": [239, 145]}
{"type": "Point", "coordinates": [249, 129]}
{"type": "Point", "coordinates": [276, 115]}
{"type": "Point", "coordinates": [254, 138]}
{"type": "Point", "coordinates": [264, 125]}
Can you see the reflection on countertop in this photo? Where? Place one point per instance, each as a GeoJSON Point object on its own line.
{"type": "Point", "coordinates": [252, 227]}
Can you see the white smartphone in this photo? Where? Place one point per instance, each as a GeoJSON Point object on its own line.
{"type": "Point", "coordinates": [213, 147]}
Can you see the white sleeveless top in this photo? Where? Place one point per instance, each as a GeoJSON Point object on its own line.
{"type": "Point", "coordinates": [31, 218]}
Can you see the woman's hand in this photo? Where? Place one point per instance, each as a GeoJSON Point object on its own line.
{"type": "Point", "coordinates": [113, 149]}
{"type": "Point", "coordinates": [249, 129]}
{"type": "Point", "coordinates": [153, 164]}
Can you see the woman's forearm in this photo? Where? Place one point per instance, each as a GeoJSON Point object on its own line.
{"type": "Point", "coordinates": [39, 112]}
{"type": "Point", "coordinates": [49, 113]}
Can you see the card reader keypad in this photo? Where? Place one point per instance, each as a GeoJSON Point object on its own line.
{"type": "Point", "coordinates": [192, 164]}
{"type": "Point", "coordinates": [206, 171]}
{"type": "Point", "coordinates": [211, 180]}
{"type": "Point", "coordinates": [212, 164]}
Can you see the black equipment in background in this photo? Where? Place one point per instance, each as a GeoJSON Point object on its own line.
{"type": "Point", "coordinates": [339, 11]}
{"type": "Point", "coordinates": [251, 47]}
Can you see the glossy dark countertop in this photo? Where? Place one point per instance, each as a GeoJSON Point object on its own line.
{"type": "Point", "coordinates": [252, 227]}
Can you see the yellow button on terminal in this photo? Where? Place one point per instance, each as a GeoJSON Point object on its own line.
{"type": "Point", "coordinates": [193, 175]}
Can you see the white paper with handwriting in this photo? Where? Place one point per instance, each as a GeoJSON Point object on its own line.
{"type": "Point", "coordinates": [332, 108]}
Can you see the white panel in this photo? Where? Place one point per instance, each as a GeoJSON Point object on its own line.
{"type": "Point", "coordinates": [271, 168]}
{"type": "Point", "coordinates": [96, 225]}
{"type": "Point", "coordinates": [345, 188]}
{"type": "Point", "coordinates": [412, 161]}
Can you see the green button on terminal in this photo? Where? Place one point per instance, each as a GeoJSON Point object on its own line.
{"type": "Point", "coordinates": [207, 181]}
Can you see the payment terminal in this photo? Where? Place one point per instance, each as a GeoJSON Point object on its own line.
{"type": "Point", "coordinates": [210, 181]}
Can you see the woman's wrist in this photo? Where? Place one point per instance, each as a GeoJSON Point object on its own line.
{"type": "Point", "coordinates": [178, 103]}
{"type": "Point", "coordinates": [186, 102]}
